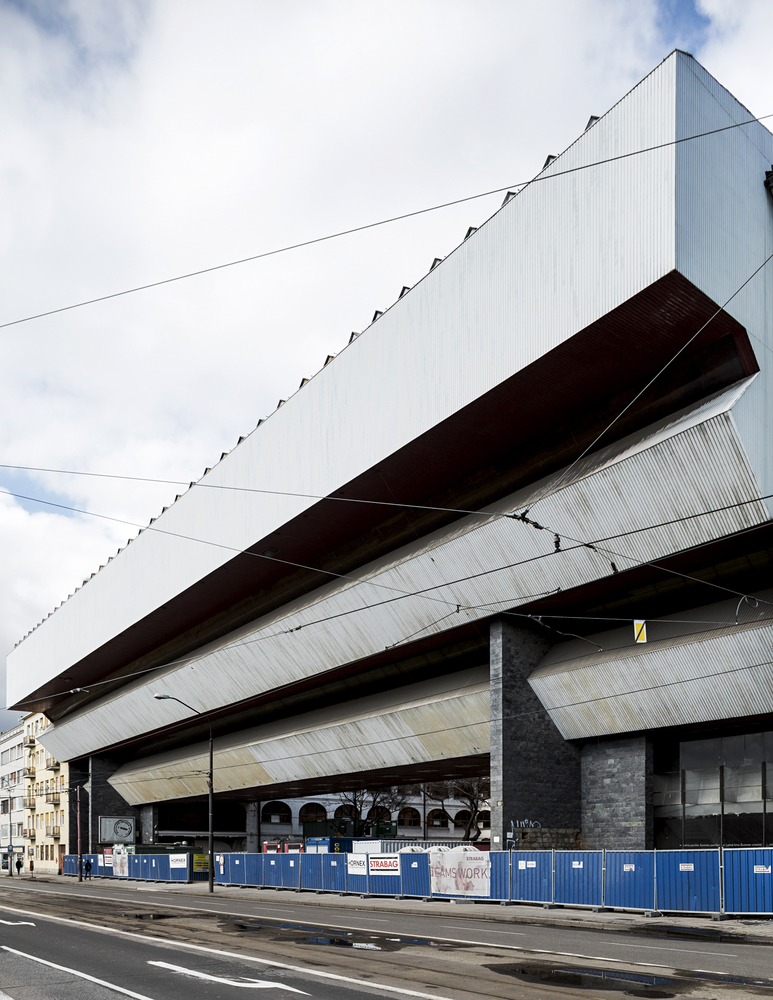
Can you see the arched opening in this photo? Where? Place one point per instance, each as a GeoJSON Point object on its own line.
{"type": "Point", "coordinates": [347, 811]}
{"type": "Point", "coordinates": [312, 812]}
{"type": "Point", "coordinates": [276, 812]}
{"type": "Point", "coordinates": [380, 813]}
{"type": "Point", "coordinates": [461, 819]}
{"type": "Point", "coordinates": [438, 818]}
{"type": "Point", "coordinates": [409, 817]}
{"type": "Point", "coordinates": [484, 820]}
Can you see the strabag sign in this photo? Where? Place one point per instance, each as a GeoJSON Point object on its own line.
{"type": "Point", "coordinates": [460, 873]}
{"type": "Point", "coordinates": [384, 864]}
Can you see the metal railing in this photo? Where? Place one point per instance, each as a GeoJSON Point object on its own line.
{"type": "Point", "coordinates": [52, 764]}
{"type": "Point", "coordinates": [28, 772]}
{"type": "Point", "coordinates": [53, 831]}
{"type": "Point", "coordinates": [29, 802]}
{"type": "Point", "coordinates": [52, 798]}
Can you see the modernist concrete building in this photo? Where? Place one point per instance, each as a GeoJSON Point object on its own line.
{"type": "Point", "coordinates": [350, 595]}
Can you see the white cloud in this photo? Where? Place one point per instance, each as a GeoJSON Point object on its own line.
{"type": "Point", "coordinates": [190, 133]}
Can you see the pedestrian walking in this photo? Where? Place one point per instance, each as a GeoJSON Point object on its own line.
{"type": "Point", "coordinates": [32, 868]}
{"type": "Point", "coordinates": [87, 868]}
{"type": "Point", "coordinates": [19, 866]}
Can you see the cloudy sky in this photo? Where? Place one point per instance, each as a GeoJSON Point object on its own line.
{"type": "Point", "coordinates": [142, 140]}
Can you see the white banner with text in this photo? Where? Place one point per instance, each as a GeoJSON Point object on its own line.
{"type": "Point", "coordinates": [460, 873]}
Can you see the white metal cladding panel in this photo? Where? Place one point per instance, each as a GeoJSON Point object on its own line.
{"type": "Point", "coordinates": [561, 254]}
{"type": "Point", "coordinates": [454, 724]}
{"type": "Point", "coordinates": [702, 468]}
{"type": "Point", "coordinates": [714, 677]}
{"type": "Point", "coordinates": [725, 231]}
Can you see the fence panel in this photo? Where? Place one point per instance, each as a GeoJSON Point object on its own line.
{"type": "Point", "coordinates": [253, 869]}
{"type": "Point", "coordinates": [630, 880]}
{"type": "Point", "coordinates": [135, 866]}
{"type": "Point", "coordinates": [238, 870]}
{"type": "Point", "coordinates": [334, 872]}
{"type": "Point", "coordinates": [70, 864]}
{"type": "Point", "coordinates": [179, 872]}
{"type": "Point", "coordinates": [748, 880]}
{"type": "Point", "coordinates": [688, 880]}
{"type": "Point", "coordinates": [223, 869]}
{"type": "Point", "coordinates": [311, 871]}
{"type": "Point", "coordinates": [500, 874]}
{"type": "Point", "coordinates": [159, 867]}
{"type": "Point", "coordinates": [272, 871]}
{"type": "Point", "coordinates": [531, 877]}
{"type": "Point", "coordinates": [414, 869]}
{"type": "Point", "coordinates": [291, 870]}
{"type": "Point", "coordinates": [356, 882]}
{"type": "Point", "coordinates": [579, 877]}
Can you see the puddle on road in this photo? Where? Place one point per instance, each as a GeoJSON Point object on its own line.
{"type": "Point", "coordinates": [149, 916]}
{"type": "Point", "coordinates": [628, 983]}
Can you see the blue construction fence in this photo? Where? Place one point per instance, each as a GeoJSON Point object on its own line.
{"type": "Point", "coordinates": [737, 880]}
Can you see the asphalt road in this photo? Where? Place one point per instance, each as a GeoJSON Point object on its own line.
{"type": "Point", "coordinates": [330, 951]}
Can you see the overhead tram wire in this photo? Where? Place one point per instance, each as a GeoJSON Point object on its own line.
{"type": "Point", "coordinates": [541, 176]}
{"type": "Point", "coordinates": [192, 658]}
{"type": "Point", "coordinates": [580, 543]}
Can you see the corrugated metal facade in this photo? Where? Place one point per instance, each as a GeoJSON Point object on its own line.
{"type": "Point", "coordinates": [447, 718]}
{"type": "Point", "coordinates": [631, 486]}
{"type": "Point", "coordinates": [528, 277]}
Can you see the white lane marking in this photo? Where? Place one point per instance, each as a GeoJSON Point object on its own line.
{"type": "Point", "coordinates": [75, 972]}
{"type": "Point", "coordinates": [247, 984]}
{"type": "Point", "coordinates": [490, 930]}
{"type": "Point", "coordinates": [660, 947]}
{"type": "Point", "coordinates": [4, 996]}
{"type": "Point", "coordinates": [217, 951]}
{"type": "Point", "coordinates": [16, 923]}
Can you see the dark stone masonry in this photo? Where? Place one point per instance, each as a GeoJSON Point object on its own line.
{"type": "Point", "coordinates": [617, 794]}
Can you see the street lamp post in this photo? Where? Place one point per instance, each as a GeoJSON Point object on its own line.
{"type": "Point", "coordinates": [210, 783]}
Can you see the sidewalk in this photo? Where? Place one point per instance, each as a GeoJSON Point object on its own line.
{"type": "Point", "coordinates": [741, 930]}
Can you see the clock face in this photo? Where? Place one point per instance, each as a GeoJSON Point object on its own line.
{"type": "Point", "coordinates": [123, 828]}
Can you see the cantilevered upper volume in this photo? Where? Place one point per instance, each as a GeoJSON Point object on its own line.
{"type": "Point", "coordinates": [477, 391]}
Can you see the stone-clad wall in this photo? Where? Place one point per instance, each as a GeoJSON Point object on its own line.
{"type": "Point", "coordinates": [617, 794]}
{"type": "Point", "coordinates": [535, 772]}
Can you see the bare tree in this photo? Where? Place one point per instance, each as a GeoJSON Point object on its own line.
{"type": "Point", "coordinates": [473, 792]}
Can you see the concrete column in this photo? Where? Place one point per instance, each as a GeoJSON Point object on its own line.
{"type": "Point", "coordinates": [535, 773]}
{"type": "Point", "coordinates": [617, 794]}
{"type": "Point", "coordinates": [148, 824]}
{"type": "Point", "coordinates": [252, 820]}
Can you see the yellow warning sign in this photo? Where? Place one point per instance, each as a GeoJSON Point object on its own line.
{"type": "Point", "coordinates": [640, 631]}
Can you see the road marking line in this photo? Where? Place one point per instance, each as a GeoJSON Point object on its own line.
{"type": "Point", "coordinates": [4, 996]}
{"type": "Point", "coordinates": [248, 984]}
{"type": "Point", "coordinates": [74, 972]}
{"type": "Point", "coordinates": [490, 930]}
{"type": "Point", "coordinates": [660, 947]}
{"type": "Point", "coordinates": [214, 951]}
{"type": "Point", "coordinates": [16, 923]}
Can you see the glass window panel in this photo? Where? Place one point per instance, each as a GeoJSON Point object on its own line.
{"type": "Point", "coordinates": [738, 751]}
{"type": "Point", "coordinates": [668, 833]}
{"type": "Point", "coordinates": [742, 829]}
{"type": "Point", "coordinates": [743, 784]}
{"type": "Point", "coordinates": [700, 830]}
{"type": "Point", "coordinates": [700, 754]}
{"type": "Point", "coordinates": [701, 787]}
{"type": "Point", "coordinates": [667, 789]}
{"type": "Point", "coordinates": [768, 747]}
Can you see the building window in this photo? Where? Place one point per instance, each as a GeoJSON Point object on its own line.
{"type": "Point", "coordinates": [409, 817]}
{"type": "Point", "coordinates": [438, 818]}
{"type": "Point", "coordinates": [312, 812]}
{"type": "Point", "coordinates": [276, 812]}
{"type": "Point", "coordinates": [461, 819]}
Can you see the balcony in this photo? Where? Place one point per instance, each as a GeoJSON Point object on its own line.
{"type": "Point", "coordinates": [53, 831]}
{"type": "Point", "coordinates": [29, 741]}
{"type": "Point", "coordinates": [29, 802]}
{"type": "Point", "coordinates": [28, 772]}
{"type": "Point", "coordinates": [52, 764]}
{"type": "Point", "coordinates": [29, 834]}
{"type": "Point", "coordinates": [52, 798]}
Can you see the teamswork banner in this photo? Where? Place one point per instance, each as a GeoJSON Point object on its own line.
{"type": "Point", "coordinates": [460, 873]}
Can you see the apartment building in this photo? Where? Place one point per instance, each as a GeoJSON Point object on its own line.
{"type": "Point", "coordinates": [12, 794]}
{"type": "Point", "coordinates": [45, 800]}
